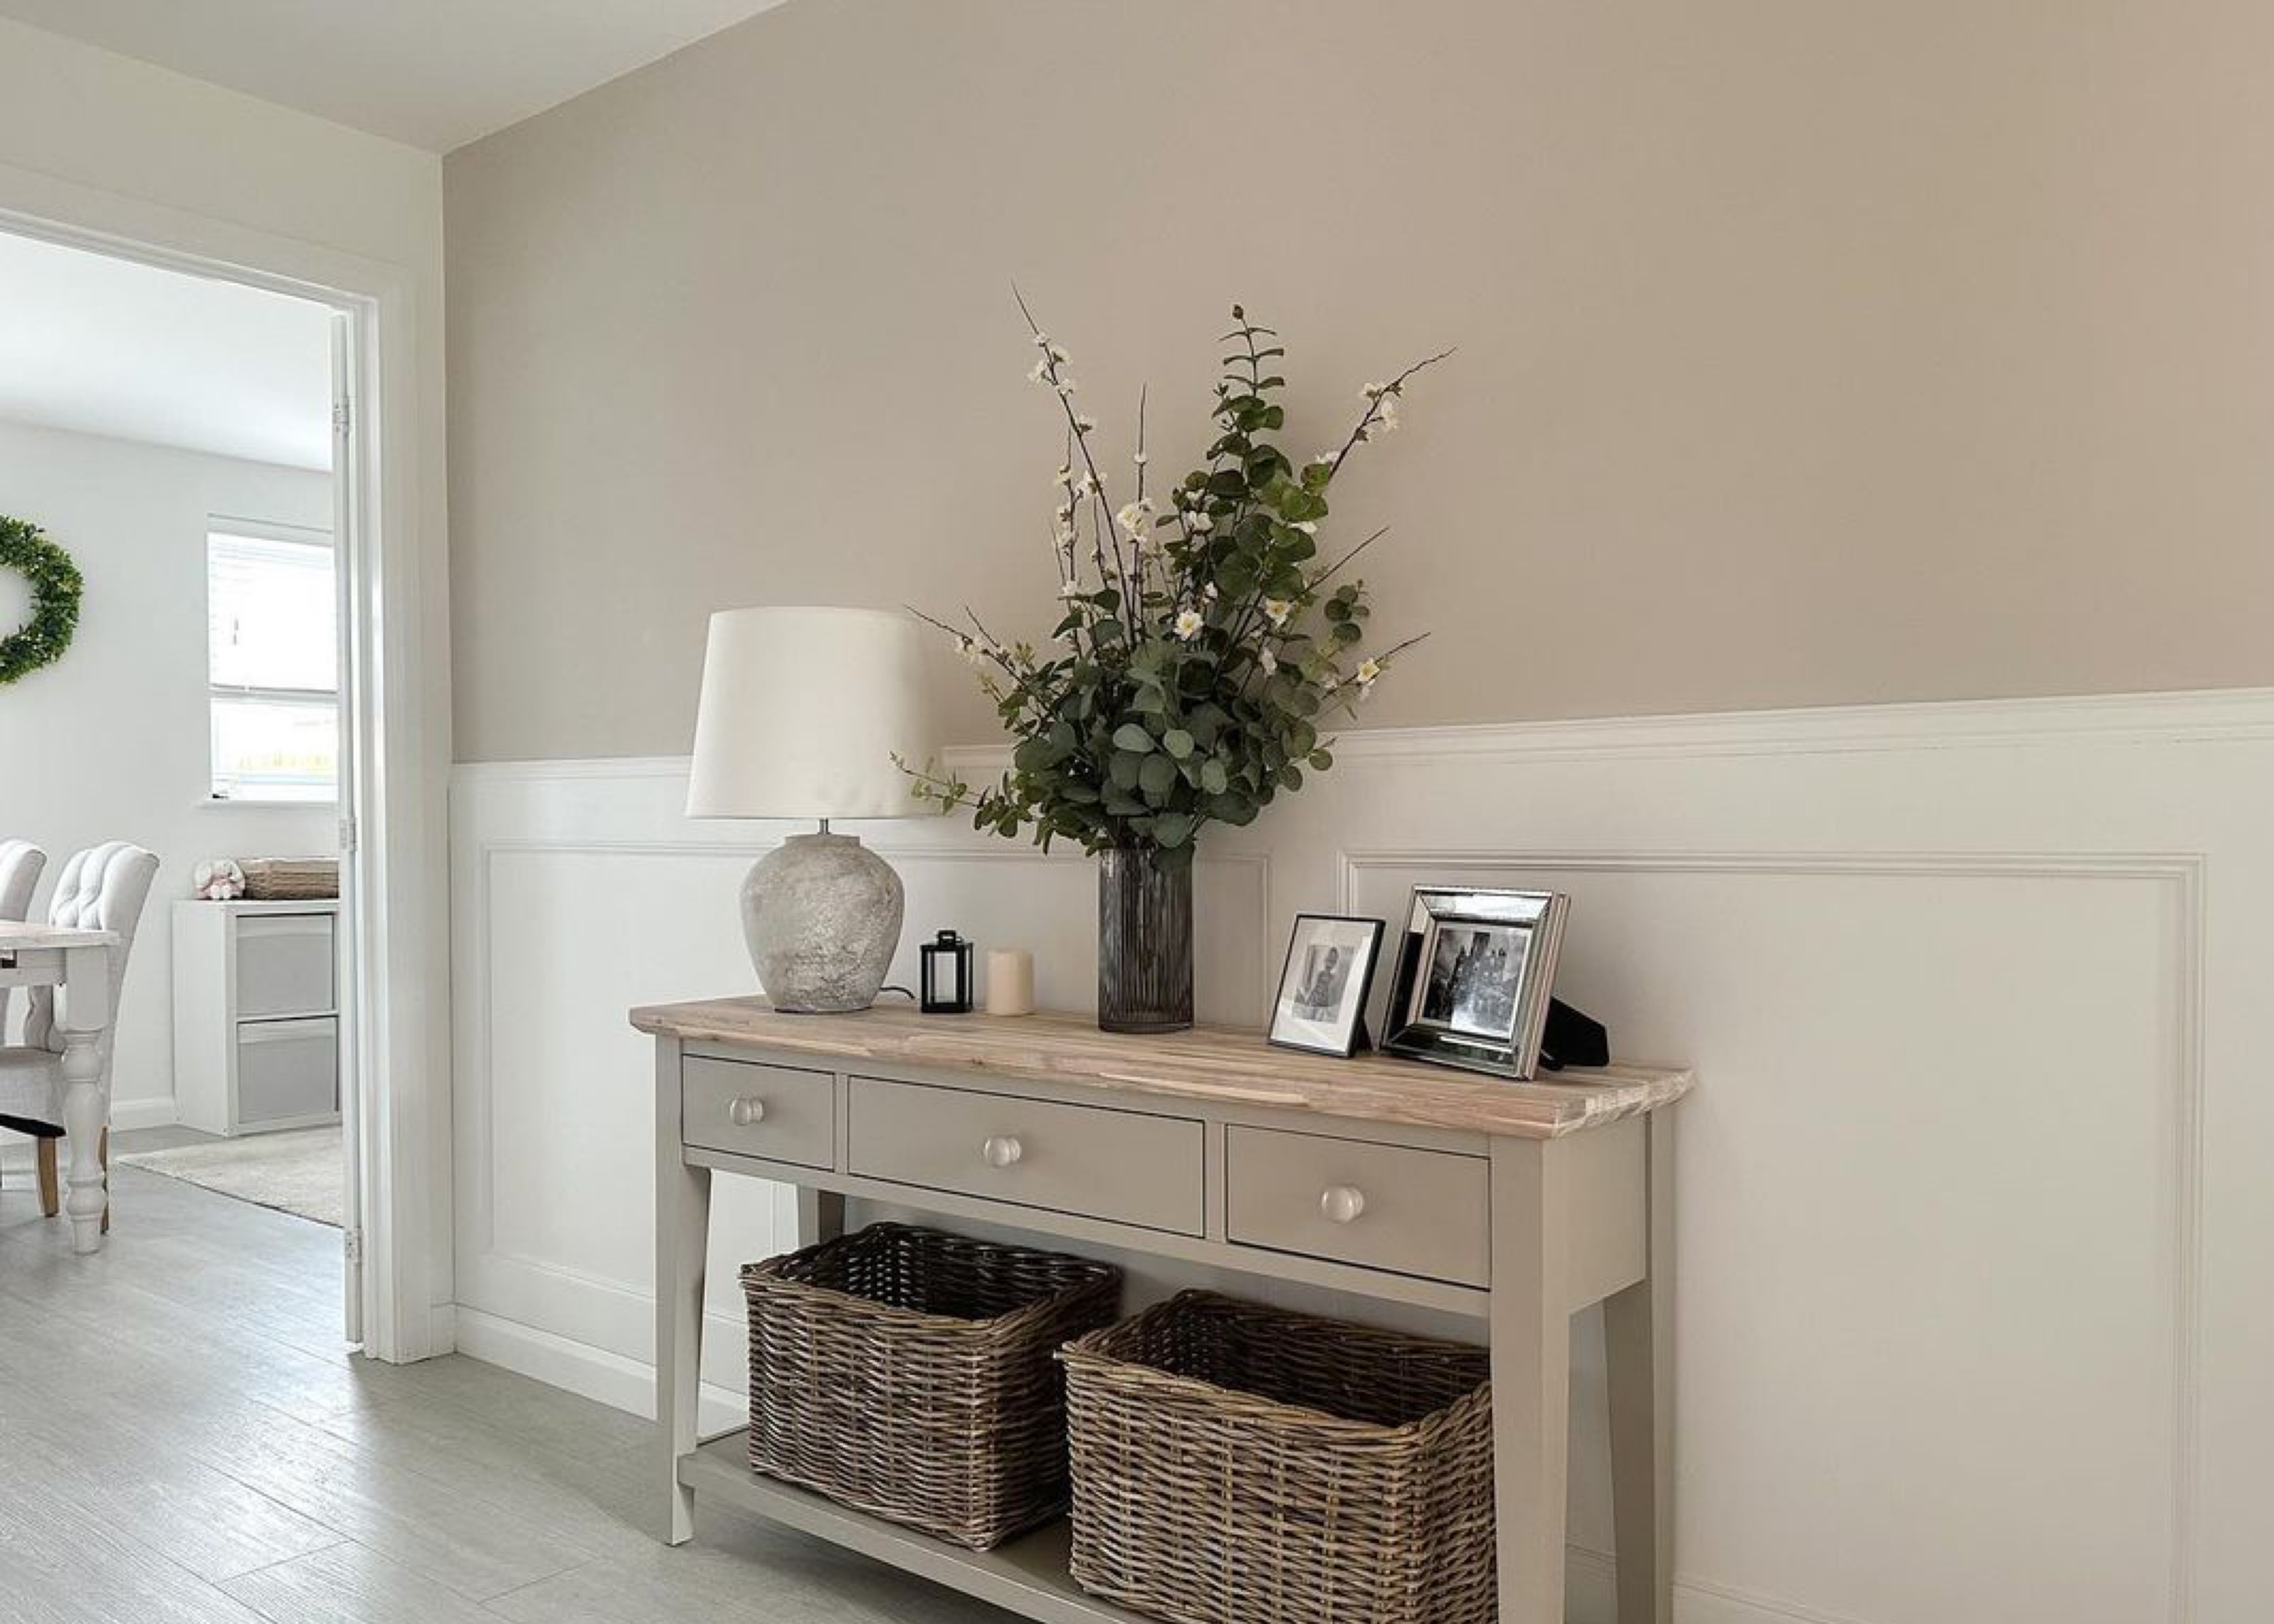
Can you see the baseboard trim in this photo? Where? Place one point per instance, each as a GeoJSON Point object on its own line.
{"type": "Point", "coordinates": [577, 1367]}
{"type": "Point", "coordinates": [128, 1115]}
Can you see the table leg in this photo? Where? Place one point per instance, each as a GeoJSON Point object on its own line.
{"type": "Point", "coordinates": [820, 1216]}
{"type": "Point", "coordinates": [682, 1228]}
{"type": "Point", "coordinates": [86, 1008]}
{"type": "Point", "coordinates": [1638, 1339]}
{"type": "Point", "coordinates": [1531, 1325]}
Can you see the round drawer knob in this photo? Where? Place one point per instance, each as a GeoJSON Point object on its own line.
{"type": "Point", "coordinates": [743, 1112]}
{"type": "Point", "coordinates": [1342, 1204]}
{"type": "Point", "coordinates": [1002, 1150]}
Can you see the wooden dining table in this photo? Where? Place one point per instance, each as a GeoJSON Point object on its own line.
{"type": "Point", "coordinates": [79, 962]}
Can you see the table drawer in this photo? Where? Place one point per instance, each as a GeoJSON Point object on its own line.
{"type": "Point", "coordinates": [777, 1112]}
{"type": "Point", "coordinates": [1426, 1213]}
{"type": "Point", "coordinates": [1125, 1167]}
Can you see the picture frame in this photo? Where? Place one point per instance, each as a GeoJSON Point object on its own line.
{"type": "Point", "coordinates": [1474, 977]}
{"type": "Point", "coordinates": [1326, 983]}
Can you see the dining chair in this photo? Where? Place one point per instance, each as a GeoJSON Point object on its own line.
{"type": "Point", "coordinates": [20, 863]}
{"type": "Point", "coordinates": [102, 888]}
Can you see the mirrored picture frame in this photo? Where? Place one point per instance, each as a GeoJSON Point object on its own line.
{"type": "Point", "coordinates": [1475, 976]}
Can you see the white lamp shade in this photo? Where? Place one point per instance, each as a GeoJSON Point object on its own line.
{"type": "Point", "coordinates": [803, 710]}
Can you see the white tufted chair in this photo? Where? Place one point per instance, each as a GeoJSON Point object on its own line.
{"type": "Point", "coordinates": [102, 888]}
{"type": "Point", "coordinates": [20, 863]}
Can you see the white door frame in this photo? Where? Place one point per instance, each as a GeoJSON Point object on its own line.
{"type": "Point", "coordinates": [399, 730]}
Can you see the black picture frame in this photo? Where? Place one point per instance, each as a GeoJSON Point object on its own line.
{"type": "Point", "coordinates": [1347, 1034]}
{"type": "Point", "coordinates": [1490, 1019]}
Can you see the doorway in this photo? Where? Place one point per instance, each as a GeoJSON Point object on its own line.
{"type": "Point", "coordinates": [193, 437]}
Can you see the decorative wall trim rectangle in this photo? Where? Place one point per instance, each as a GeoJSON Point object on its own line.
{"type": "Point", "coordinates": [2183, 872]}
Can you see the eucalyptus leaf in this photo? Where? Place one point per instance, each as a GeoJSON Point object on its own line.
{"type": "Point", "coordinates": [1156, 776]}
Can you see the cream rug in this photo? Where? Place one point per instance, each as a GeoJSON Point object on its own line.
{"type": "Point", "coordinates": [299, 1172]}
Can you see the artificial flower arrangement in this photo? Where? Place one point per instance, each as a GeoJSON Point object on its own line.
{"type": "Point", "coordinates": [1202, 643]}
{"type": "Point", "coordinates": [1201, 647]}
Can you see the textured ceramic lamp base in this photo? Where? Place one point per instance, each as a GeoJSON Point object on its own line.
{"type": "Point", "coordinates": [821, 914]}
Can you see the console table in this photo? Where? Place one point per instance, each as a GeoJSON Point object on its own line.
{"type": "Point", "coordinates": [1515, 1204]}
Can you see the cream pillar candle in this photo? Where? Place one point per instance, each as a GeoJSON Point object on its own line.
{"type": "Point", "coordinates": [1010, 982]}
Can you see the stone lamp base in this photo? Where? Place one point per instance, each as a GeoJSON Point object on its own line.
{"type": "Point", "coordinates": [821, 914]}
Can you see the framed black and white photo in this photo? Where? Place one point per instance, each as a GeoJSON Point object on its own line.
{"type": "Point", "coordinates": [1323, 991]}
{"type": "Point", "coordinates": [1474, 976]}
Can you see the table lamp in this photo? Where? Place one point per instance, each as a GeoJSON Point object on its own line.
{"type": "Point", "coordinates": [801, 713]}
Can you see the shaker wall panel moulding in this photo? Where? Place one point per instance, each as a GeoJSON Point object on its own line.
{"type": "Point", "coordinates": [1962, 985]}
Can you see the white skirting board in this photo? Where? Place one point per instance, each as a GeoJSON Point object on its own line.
{"type": "Point", "coordinates": [128, 1115]}
{"type": "Point", "coordinates": [1972, 1318]}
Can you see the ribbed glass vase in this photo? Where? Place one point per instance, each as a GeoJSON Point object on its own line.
{"type": "Point", "coordinates": [1144, 940]}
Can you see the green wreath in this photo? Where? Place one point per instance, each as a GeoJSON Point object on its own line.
{"type": "Point", "coordinates": [56, 586]}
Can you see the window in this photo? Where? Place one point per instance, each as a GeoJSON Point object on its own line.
{"type": "Point", "coordinates": [273, 661]}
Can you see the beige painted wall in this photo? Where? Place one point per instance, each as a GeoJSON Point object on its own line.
{"type": "Point", "coordinates": [1811, 353]}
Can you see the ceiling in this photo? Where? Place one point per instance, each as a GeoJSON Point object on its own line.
{"type": "Point", "coordinates": [107, 345]}
{"type": "Point", "coordinates": [435, 73]}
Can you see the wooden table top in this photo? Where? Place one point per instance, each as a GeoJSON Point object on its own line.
{"type": "Point", "coordinates": [1219, 1064]}
{"type": "Point", "coordinates": [19, 937]}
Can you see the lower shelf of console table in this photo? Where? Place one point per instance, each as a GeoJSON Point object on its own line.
{"type": "Point", "coordinates": [1513, 1204]}
{"type": "Point", "coordinates": [1026, 1575]}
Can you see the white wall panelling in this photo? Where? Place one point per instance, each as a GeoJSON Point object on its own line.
{"type": "Point", "coordinates": [1972, 1318]}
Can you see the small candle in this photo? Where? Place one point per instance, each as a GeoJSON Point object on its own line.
{"type": "Point", "coordinates": [1010, 982]}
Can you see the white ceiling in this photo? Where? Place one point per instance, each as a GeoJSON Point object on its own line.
{"type": "Point", "coordinates": [436, 73]}
{"type": "Point", "coordinates": [106, 346]}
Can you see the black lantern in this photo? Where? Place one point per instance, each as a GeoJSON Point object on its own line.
{"type": "Point", "coordinates": [946, 979]}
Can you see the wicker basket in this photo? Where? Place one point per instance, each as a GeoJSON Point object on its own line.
{"type": "Point", "coordinates": [291, 879]}
{"type": "Point", "coordinates": [909, 1375]}
{"type": "Point", "coordinates": [1237, 1464]}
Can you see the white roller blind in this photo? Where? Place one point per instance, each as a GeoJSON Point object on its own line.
{"type": "Point", "coordinates": [272, 617]}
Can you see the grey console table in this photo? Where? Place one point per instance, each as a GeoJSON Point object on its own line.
{"type": "Point", "coordinates": [1515, 1204]}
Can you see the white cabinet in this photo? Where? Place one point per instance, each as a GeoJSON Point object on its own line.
{"type": "Point", "coordinates": [256, 1015]}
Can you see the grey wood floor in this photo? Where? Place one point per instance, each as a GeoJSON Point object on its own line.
{"type": "Point", "coordinates": [183, 1440]}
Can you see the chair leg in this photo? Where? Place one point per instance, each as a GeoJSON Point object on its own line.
{"type": "Point", "coordinates": [103, 1152]}
{"type": "Point", "coordinates": [51, 1194]}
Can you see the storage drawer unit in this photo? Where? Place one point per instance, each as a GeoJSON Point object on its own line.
{"type": "Point", "coordinates": [1124, 1167]}
{"type": "Point", "coordinates": [1426, 1213]}
{"type": "Point", "coordinates": [256, 1015]}
{"type": "Point", "coordinates": [777, 1112]}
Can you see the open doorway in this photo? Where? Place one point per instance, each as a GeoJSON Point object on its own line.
{"type": "Point", "coordinates": [185, 440]}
